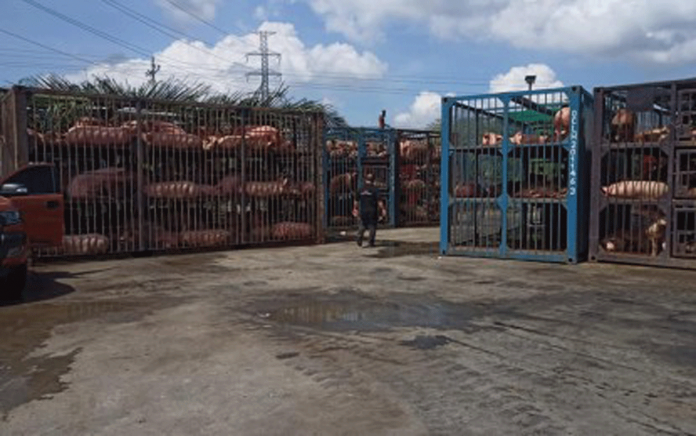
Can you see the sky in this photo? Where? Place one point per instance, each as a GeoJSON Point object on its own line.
{"type": "Point", "coordinates": [361, 56]}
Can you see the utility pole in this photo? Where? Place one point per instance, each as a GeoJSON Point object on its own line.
{"type": "Point", "coordinates": [265, 72]}
{"type": "Point", "coordinates": [152, 72]}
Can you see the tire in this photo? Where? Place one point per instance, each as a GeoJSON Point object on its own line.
{"type": "Point", "coordinates": [16, 282]}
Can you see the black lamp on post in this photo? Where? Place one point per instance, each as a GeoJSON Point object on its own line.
{"type": "Point", "coordinates": [530, 81]}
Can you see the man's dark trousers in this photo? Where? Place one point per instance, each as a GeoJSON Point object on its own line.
{"type": "Point", "coordinates": [367, 222]}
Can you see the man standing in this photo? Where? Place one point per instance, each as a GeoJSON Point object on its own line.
{"type": "Point", "coordinates": [369, 208]}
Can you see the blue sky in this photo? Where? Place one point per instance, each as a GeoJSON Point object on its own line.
{"type": "Point", "coordinates": [364, 56]}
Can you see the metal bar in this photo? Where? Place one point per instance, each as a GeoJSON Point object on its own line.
{"type": "Point", "coordinates": [445, 182]}
{"type": "Point", "coordinates": [529, 104]}
{"type": "Point", "coordinates": [573, 177]}
{"type": "Point", "coordinates": [504, 196]}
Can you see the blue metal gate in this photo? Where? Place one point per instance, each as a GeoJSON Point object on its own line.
{"type": "Point", "coordinates": [515, 175]}
{"type": "Point", "coordinates": [350, 154]}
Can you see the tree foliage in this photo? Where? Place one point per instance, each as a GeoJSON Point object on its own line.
{"type": "Point", "coordinates": [183, 91]}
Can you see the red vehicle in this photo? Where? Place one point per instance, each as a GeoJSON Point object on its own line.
{"type": "Point", "coordinates": [31, 216]}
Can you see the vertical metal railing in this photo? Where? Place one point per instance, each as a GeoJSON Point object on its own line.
{"type": "Point", "coordinates": [350, 154]}
{"type": "Point", "coordinates": [644, 172]}
{"type": "Point", "coordinates": [145, 175]}
{"type": "Point", "coordinates": [516, 180]}
{"type": "Point", "coordinates": [418, 177]}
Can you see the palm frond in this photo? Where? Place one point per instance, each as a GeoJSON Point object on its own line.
{"type": "Point", "coordinates": [182, 91]}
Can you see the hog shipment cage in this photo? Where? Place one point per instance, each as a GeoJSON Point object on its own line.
{"type": "Point", "coordinates": [142, 175]}
{"type": "Point", "coordinates": [514, 175]}
{"type": "Point", "coordinates": [644, 175]}
{"type": "Point", "coordinates": [419, 158]}
{"type": "Point", "coordinates": [349, 154]}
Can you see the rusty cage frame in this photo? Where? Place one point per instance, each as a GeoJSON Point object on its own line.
{"type": "Point", "coordinates": [644, 174]}
{"type": "Point", "coordinates": [144, 175]}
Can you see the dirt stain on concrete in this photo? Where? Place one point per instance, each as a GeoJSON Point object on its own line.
{"type": "Point", "coordinates": [427, 342]}
{"type": "Point", "coordinates": [392, 249]}
{"type": "Point", "coordinates": [24, 328]}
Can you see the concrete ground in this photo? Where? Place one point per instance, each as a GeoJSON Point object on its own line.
{"type": "Point", "coordinates": [337, 340]}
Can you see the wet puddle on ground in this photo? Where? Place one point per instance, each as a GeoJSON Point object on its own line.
{"type": "Point", "coordinates": [353, 311]}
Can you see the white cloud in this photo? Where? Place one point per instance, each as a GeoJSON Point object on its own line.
{"type": "Point", "coordinates": [427, 106]}
{"type": "Point", "coordinates": [223, 65]}
{"type": "Point", "coordinates": [655, 31]}
{"type": "Point", "coordinates": [513, 80]}
{"type": "Point", "coordinates": [204, 9]}
{"type": "Point", "coordinates": [424, 110]}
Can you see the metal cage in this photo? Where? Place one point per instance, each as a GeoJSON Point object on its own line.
{"type": "Point", "coordinates": [350, 154]}
{"type": "Point", "coordinates": [515, 175]}
{"type": "Point", "coordinates": [644, 173]}
{"type": "Point", "coordinates": [419, 157]}
{"type": "Point", "coordinates": [144, 175]}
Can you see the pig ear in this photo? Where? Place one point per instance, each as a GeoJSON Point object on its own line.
{"type": "Point", "coordinates": [605, 189]}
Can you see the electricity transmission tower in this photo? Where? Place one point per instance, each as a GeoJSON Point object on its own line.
{"type": "Point", "coordinates": [152, 72]}
{"type": "Point", "coordinates": [265, 72]}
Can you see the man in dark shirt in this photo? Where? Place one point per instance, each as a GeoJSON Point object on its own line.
{"type": "Point", "coordinates": [370, 206]}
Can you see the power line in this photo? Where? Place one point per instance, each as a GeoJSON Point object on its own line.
{"type": "Point", "coordinates": [199, 18]}
{"type": "Point", "coordinates": [118, 41]}
{"type": "Point", "coordinates": [38, 44]}
{"type": "Point", "coordinates": [145, 19]}
{"type": "Point", "coordinates": [158, 26]}
{"type": "Point", "coordinates": [265, 72]}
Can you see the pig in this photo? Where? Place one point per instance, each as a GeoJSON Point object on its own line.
{"type": "Point", "coordinates": [637, 189]}
{"type": "Point", "coordinates": [91, 135]}
{"type": "Point", "coordinates": [414, 150]}
{"type": "Point", "coordinates": [520, 138]}
{"type": "Point", "coordinates": [561, 124]}
{"type": "Point", "coordinates": [659, 135]}
{"type": "Point", "coordinates": [491, 139]}
{"type": "Point", "coordinates": [623, 126]}
{"type": "Point", "coordinates": [82, 245]}
{"type": "Point", "coordinates": [690, 248]}
{"type": "Point", "coordinates": [263, 137]}
{"type": "Point", "coordinates": [414, 185]}
{"type": "Point", "coordinates": [466, 190]}
{"type": "Point", "coordinates": [267, 189]}
{"type": "Point", "coordinates": [177, 190]}
{"type": "Point", "coordinates": [108, 182]}
{"type": "Point", "coordinates": [173, 139]}
{"type": "Point", "coordinates": [291, 231]}
{"type": "Point", "coordinates": [205, 238]}
{"type": "Point", "coordinates": [656, 235]}
{"type": "Point", "coordinates": [344, 183]}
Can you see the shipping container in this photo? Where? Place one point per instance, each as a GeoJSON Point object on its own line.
{"type": "Point", "coordinates": [350, 153]}
{"type": "Point", "coordinates": [515, 179]}
{"type": "Point", "coordinates": [419, 157]}
{"type": "Point", "coordinates": [142, 175]}
{"type": "Point", "coordinates": [644, 174]}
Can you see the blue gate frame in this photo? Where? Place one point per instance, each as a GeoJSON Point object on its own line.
{"type": "Point", "coordinates": [572, 165]}
{"type": "Point", "coordinates": [364, 158]}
